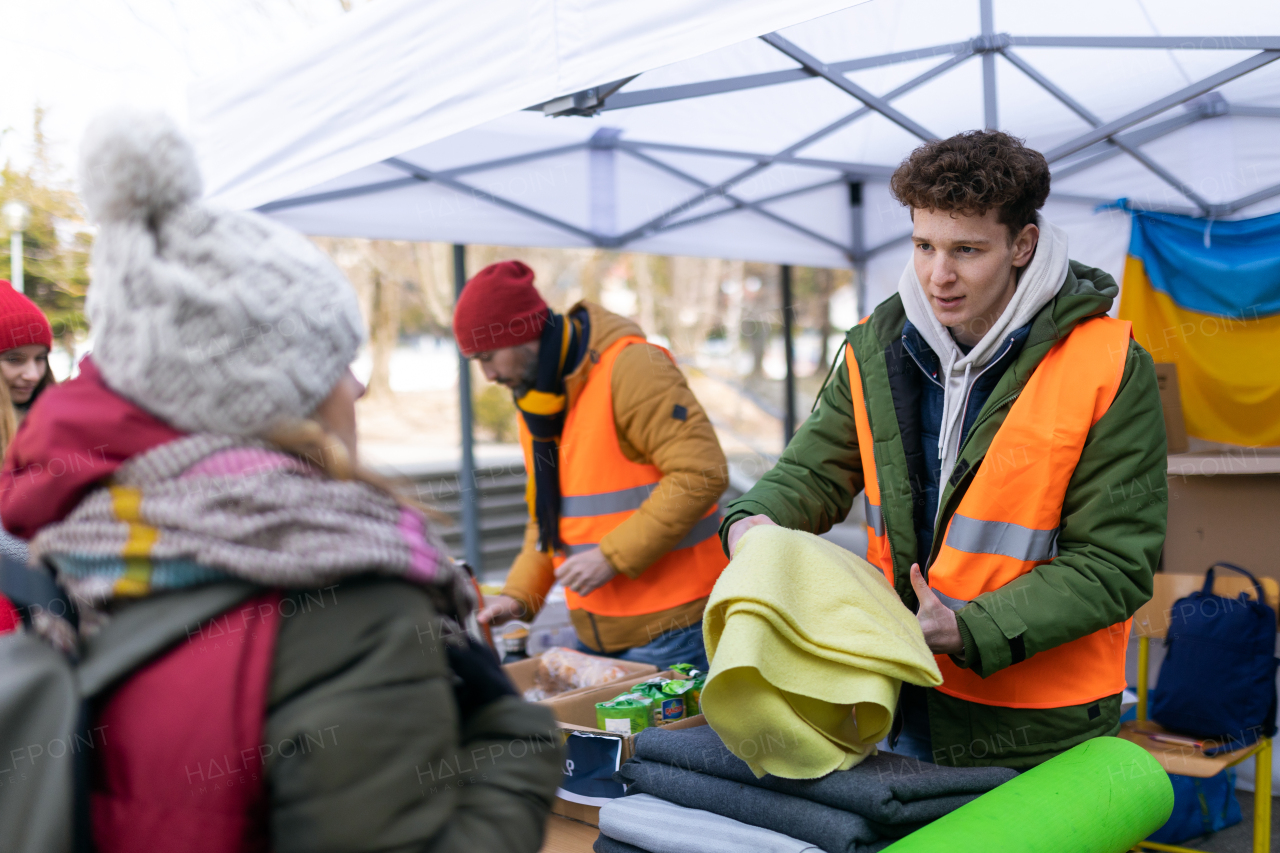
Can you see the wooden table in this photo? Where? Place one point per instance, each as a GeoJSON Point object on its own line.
{"type": "Point", "coordinates": [568, 836]}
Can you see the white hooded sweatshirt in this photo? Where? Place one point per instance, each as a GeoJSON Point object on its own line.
{"type": "Point", "coordinates": [1039, 283]}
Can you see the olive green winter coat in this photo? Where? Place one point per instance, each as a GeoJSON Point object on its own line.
{"type": "Point", "coordinates": [361, 665]}
{"type": "Point", "coordinates": [1113, 521]}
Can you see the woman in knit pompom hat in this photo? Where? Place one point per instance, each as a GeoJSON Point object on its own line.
{"type": "Point", "coordinates": [302, 663]}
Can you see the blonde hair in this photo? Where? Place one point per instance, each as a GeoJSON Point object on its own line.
{"type": "Point", "coordinates": [8, 418]}
{"type": "Point", "coordinates": [309, 441]}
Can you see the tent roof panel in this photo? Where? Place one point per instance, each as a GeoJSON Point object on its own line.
{"type": "Point", "coordinates": [423, 212]}
{"type": "Point", "coordinates": [786, 179]}
{"type": "Point", "coordinates": [746, 57]}
{"type": "Point", "coordinates": [1132, 17]}
{"type": "Point", "coordinates": [750, 236]}
{"type": "Point", "coordinates": [393, 76]}
{"type": "Point", "coordinates": [650, 176]}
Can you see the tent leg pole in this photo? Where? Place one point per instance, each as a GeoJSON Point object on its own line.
{"type": "Point", "coordinates": [989, 117]}
{"type": "Point", "coordinates": [788, 320]}
{"type": "Point", "coordinates": [469, 499]}
{"type": "Point", "coordinates": [860, 289]}
{"type": "Point", "coordinates": [858, 240]}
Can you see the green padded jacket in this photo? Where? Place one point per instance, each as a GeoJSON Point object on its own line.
{"type": "Point", "coordinates": [1113, 521]}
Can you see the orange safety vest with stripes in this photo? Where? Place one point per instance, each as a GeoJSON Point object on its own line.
{"type": "Point", "coordinates": [601, 488]}
{"type": "Point", "coordinates": [1007, 522]}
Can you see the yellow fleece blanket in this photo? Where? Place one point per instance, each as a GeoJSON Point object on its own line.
{"type": "Point", "coordinates": [809, 646]}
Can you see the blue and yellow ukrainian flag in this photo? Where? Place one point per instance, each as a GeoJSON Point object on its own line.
{"type": "Point", "coordinates": [1206, 296]}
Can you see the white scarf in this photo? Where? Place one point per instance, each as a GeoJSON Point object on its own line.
{"type": "Point", "coordinates": [1039, 283]}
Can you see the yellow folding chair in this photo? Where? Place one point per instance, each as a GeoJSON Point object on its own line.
{"type": "Point", "coordinates": [1152, 620]}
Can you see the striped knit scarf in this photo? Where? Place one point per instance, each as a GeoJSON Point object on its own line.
{"type": "Point", "coordinates": [206, 508]}
{"type": "Point", "coordinates": [543, 410]}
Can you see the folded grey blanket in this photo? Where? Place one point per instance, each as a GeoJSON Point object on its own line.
{"type": "Point", "coordinates": [834, 830]}
{"type": "Point", "coordinates": [659, 826]}
{"type": "Point", "coordinates": [885, 788]}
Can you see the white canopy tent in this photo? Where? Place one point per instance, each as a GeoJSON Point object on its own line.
{"type": "Point", "coordinates": [741, 128]}
{"type": "Point", "coordinates": [678, 131]}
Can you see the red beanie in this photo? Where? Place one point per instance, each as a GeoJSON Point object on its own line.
{"type": "Point", "coordinates": [499, 308]}
{"type": "Point", "coordinates": [21, 322]}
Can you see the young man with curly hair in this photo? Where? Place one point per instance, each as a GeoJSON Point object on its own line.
{"type": "Point", "coordinates": [1009, 441]}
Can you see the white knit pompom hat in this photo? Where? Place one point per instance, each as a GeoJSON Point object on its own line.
{"type": "Point", "coordinates": [213, 320]}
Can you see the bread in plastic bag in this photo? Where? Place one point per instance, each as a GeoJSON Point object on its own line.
{"type": "Point", "coordinates": [560, 670]}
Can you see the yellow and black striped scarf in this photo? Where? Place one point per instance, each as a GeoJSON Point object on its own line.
{"type": "Point", "coordinates": [543, 408]}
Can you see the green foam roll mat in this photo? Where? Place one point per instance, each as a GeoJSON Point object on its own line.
{"type": "Point", "coordinates": [1102, 796]}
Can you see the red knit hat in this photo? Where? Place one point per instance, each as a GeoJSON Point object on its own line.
{"type": "Point", "coordinates": [499, 308]}
{"type": "Point", "coordinates": [21, 321]}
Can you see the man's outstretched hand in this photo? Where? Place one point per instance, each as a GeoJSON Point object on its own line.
{"type": "Point", "coordinates": [741, 526]}
{"type": "Point", "coordinates": [937, 621]}
{"type": "Point", "coordinates": [501, 609]}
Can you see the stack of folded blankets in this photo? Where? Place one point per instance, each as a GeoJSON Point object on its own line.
{"type": "Point", "coordinates": [687, 793]}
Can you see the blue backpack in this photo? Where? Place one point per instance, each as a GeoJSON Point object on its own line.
{"type": "Point", "coordinates": [1200, 807]}
{"type": "Point", "coordinates": [1218, 679]}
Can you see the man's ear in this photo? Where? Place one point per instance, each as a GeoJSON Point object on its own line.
{"type": "Point", "coordinates": [1024, 245]}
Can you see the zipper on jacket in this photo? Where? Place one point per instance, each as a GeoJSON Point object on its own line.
{"type": "Point", "coordinates": [595, 629]}
{"type": "Point", "coordinates": [982, 418]}
{"type": "Point", "coordinates": [923, 370]}
{"type": "Point", "coordinates": [960, 452]}
{"type": "Point", "coordinates": [964, 409]}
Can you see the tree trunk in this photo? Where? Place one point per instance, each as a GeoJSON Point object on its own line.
{"type": "Point", "coordinates": [733, 310]}
{"type": "Point", "coordinates": [644, 292]}
{"type": "Point", "coordinates": [435, 281]}
{"type": "Point", "coordinates": [385, 333]}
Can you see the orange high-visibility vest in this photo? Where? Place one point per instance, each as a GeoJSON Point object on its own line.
{"type": "Point", "coordinates": [1007, 522]}
{"type": "Point", "coordinates": [600, 488]}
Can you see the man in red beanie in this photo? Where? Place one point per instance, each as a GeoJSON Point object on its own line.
{"type": "Point", "coordinates": [624, 466]}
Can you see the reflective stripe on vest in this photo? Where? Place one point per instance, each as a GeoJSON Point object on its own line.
{"type": "Point", "coordinates": [601, 488]}
{"type": "Point", "coordinates": [605, 503]}
{"type": "Point", "coordinates": [875, 519]}
{"type": "Point", "coordinates": [706, 528]}
{"type": "Point", "coordinates": [1007, 523]}
{"type": "Point", "coordinates": [1001, 537]}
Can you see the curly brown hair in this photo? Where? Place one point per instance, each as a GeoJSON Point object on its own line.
{"type": "Point", "coordinates": [973, 172]}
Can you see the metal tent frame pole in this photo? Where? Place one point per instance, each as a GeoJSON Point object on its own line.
{"type": "Point", "coordinates": [788, 347]}
{"type": "Point", "coordinates": [858, 237]}
{"type": "Point", "coordinates": [990, 116]}
{"type": "Point", "coordinates": [468, 496]}
{"type": "Point", "coordinates": [1104, 140]}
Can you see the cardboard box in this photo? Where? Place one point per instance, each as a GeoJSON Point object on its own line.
{"type": "Point", "coordinates": [522, 673]}
{"type": "Point", "coordinates": [1171, 402]}
{"type": "Point", "coordinates": [577, 713]}
{"type": "Point", "coordinates": [1222, 507]}
{"type": "Point", "coordinates": [577, 710]}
